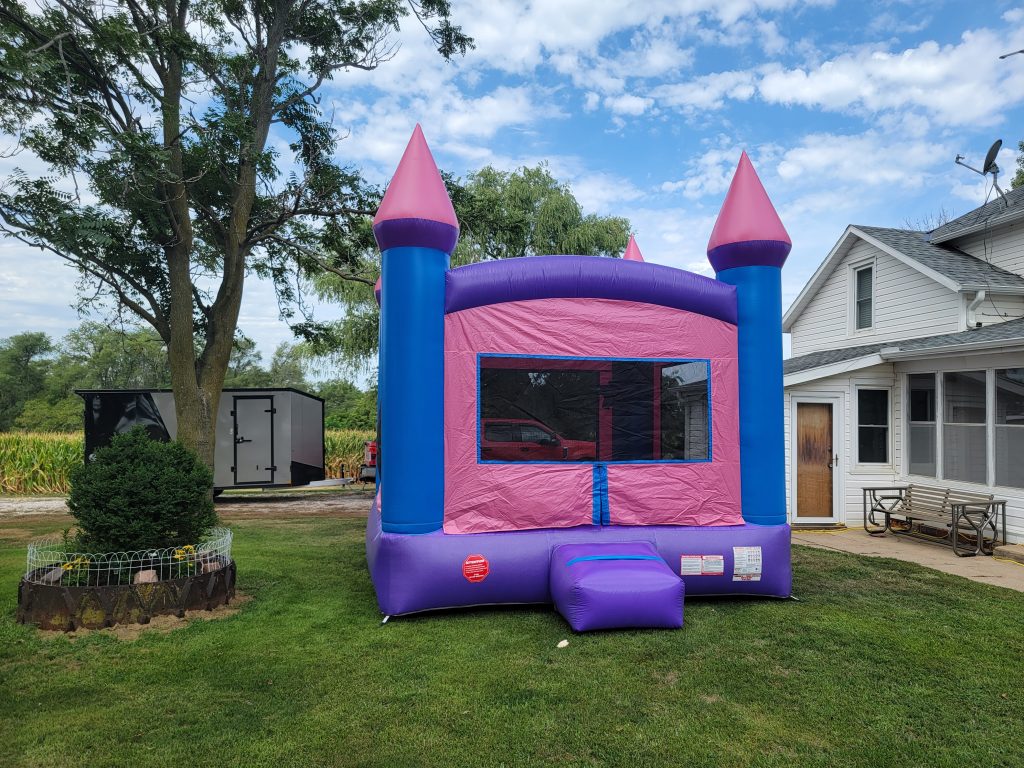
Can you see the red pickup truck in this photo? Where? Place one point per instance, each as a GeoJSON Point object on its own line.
{"type": "Point", "coordinates": [528, 440]}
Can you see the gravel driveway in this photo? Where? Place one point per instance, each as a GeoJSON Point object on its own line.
{"type": "Point", "coordinates": [285, 504]}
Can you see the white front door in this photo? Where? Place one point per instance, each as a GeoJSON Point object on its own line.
{"type": "Point", "coordinates": [815, 458]}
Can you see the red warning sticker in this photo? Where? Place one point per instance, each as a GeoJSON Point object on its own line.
{"type": "Point", "coordinates": [475, 568]}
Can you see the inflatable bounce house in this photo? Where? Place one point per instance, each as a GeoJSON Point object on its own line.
{"type": "Point", "coordinates": [599, 433]}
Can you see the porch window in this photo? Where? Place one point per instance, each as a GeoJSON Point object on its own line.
{"type": "Point", "coordinates": [873, 426]}
{"type": "Point", "coordinates": [863, 285]}
{"type": "Point", "coordinates": [1009, 426]}
{"type": "Point", "coordinates": [922, 424]}
{"type": "Point", "coordinates": [963, 421]}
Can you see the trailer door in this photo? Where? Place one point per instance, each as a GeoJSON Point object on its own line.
{"type": "Point", "coordinates": [254, 439]}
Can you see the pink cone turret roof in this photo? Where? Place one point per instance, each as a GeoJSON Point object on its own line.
{"type": "Point", "coordinates": [632, 251]}
{"type": "Point", "coordinates": [747, 214]}
{"type": "Point", "coordinates": [416, 190]}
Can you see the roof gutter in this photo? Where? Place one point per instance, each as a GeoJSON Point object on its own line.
{"type": "Point", "coordinates": [895, 353]}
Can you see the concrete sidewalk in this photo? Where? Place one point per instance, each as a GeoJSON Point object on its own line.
{"type": "Point", "coordinates": [987, 570]}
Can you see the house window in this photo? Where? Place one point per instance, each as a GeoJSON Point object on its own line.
{"type": "Point", "coordinates": [862, 299]}
{"type": "Point", "coordinates": [873, 426]}
{"type": "Point", "coordinates": [1009, 448]}
{"type": "Point", "coordinates": [922, 424]}
{"type": "Point", "coordinates": [963, 427]}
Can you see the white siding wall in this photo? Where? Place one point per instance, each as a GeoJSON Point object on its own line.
{"type": "Point", "coordinates": [854, 478]}
{"type": "Point", "coordinates": [823, 323]}
{"type": "Point", "coordinates": [1002, 246]}
{"type": "Point", "coordinates": [907, 305]}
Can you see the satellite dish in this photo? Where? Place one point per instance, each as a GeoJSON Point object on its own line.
{"type": "Point", "coordinates": [989, 167]}
{"type": "Point", "coordinates": [990, 158]}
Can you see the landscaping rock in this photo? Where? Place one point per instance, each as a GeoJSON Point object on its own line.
{"type": "Point", "coordinates": [146, 577]}
{"type": "Point", "coordinates": [52, 576]}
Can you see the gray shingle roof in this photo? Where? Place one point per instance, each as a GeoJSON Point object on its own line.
{"type": "Point", "coordinates": [965, 270]}
{"type": "Point", "coordinates": [828, 357]}
{"type": "Point", "coordinates": [991, 214]}
{"type": "Point", "coordinates": [1010, 331]}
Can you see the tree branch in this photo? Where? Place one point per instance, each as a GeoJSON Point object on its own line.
{"type": "Point", "coordinates": [310, 254]}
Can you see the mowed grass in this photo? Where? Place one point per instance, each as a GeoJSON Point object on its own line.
{"type": "Point", "coordinates": [880, 663]}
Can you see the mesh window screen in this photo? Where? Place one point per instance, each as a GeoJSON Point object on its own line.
{"type": "Point", "coordinates": [586, 410]}
{"type": "Point", "coordinates": [963, 430]}
{"type": "Point", "coordinates": [1010, 427]}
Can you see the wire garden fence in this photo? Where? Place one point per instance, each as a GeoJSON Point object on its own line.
{"type": "Point", "coordinates": [49, 563]}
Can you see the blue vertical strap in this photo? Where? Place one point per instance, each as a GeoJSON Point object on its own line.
{"type": "Point", "coordinates": [606, 517]}
{"type": "Point", "coordinates": [599, 495]}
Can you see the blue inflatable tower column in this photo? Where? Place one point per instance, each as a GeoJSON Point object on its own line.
{"type": "Point", "coordinates": [416, 230]}
{"type": "Point", "coordinates": [747, 249]}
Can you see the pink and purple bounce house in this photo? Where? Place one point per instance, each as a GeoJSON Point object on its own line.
{"type": "Point", "coordinates": [602, 434]}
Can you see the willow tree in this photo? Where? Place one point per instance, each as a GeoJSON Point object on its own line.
{"type": "Point", "coordinates": [502, 215]}
{"type": "Point", "coordinates": [183, 150]}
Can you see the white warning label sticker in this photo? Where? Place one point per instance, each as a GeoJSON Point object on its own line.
{"type": "Point", "coordinates": [746, 563]}
{"type": "Point", "coordinates": [702, 565]}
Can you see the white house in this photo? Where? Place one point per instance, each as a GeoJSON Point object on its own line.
{"type": "Point", "coordinates": [908, 366]}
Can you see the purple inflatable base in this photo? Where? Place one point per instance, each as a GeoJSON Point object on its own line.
{"type": "Point", "coordinates": [424, 572]}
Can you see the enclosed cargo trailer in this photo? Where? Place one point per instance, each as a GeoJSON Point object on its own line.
{"type": "Point", "coordinates": [265, 437]}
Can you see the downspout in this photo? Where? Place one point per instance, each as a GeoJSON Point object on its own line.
{"type": "Point", "coordinates": [972, 307]}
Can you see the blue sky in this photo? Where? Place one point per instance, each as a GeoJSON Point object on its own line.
{"type": "Point", "coordinates": [852, 112]}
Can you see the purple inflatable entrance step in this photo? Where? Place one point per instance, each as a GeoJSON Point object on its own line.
{"type": "Point", "coordinates": [615, 586]}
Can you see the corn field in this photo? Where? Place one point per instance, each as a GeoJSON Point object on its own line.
{"type": "Point", "coordinates": [344, 450]}
{"type": "Point", "coordinates": [40, 462]}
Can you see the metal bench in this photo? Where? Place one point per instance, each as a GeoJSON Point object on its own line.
{"type": "Point", "coordinates": [960, 512]}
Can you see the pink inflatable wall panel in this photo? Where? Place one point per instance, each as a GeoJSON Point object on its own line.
{"type": "Point", "coordinates": [483, 497]}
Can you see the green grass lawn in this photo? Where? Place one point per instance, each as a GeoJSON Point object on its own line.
{"type": "Point", "coordinates": [880, 663]}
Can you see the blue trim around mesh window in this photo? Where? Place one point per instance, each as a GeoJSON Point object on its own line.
{"type": "Point", "coordinates": [479, 406]}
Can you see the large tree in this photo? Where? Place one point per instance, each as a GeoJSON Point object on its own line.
{"type": "Point", "coordinates": [502, 214]}
{"type": "Point", "coordinates": [154, 120]}
{"type": "Point", "coordinates": [24, 365]}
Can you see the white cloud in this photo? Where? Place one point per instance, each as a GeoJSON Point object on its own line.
{"type": "Point", "coordinates": [868, 159]}
{"type": "Point", "coordinates": [518, 35]}
{"type": "Point", "coordinates": [603, 193]}
{"type": "Point", "coordinates": [710, 173]}
{"type": "Point", "coordinates": [628, 104]}
{"type": "Point", "coordinates": [957, 85]}
{"type": "Point", "coordinates": [707, 92]}
{"type": "Point", "coordinates": [889, 22]}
